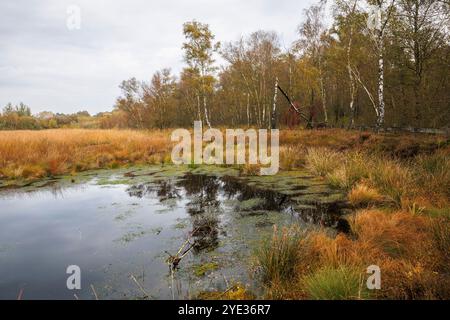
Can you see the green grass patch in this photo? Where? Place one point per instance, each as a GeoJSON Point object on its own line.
{"type": "Point", "coordinates": [343, 283]}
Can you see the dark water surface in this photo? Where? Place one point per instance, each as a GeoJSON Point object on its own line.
{"type": "Point", "coordinates": [120, 226]}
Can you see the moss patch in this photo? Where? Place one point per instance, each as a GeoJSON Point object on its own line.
{"type": "Point", "coordinates": [251, 204]}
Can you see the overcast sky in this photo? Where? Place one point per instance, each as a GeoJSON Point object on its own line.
{"type": "Point", "coordinates": [49, 67]}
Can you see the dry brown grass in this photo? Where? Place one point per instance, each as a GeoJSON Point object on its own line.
{"type": "Point", "coordinates": [362, 195]}
{"type": "Point", "coordinates": [411, 251]}
{"type": "Point", "coordinates": [413, 261]}
{"type": "Point", "coordinates": [34, 154]}
{"type": "Point", "coordinates": [399, 145]}
{"type": "Point", "coordinates": [423, 181]}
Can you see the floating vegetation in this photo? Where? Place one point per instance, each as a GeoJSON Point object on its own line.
{"type": "Point", "coordinates": [138, 233]}
{"type": "Point", "coordinates": [235, 292]}
{"type": "Point", "coordinates": [252, 204]}
{"type": "Point", "coordinates": [193, 220]}
{"type": "Point", "coordinates": [202, 269]}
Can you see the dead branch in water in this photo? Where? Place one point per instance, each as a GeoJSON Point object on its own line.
{"type": "Point", "coordinates": [19, 297]}
{"type": "Point", "coordinates": [146, 294]}
{"type": "Point", "coordinates": [95, 293]}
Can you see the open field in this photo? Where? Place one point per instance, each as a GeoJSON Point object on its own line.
{"type": "Point", "coordinates": [36, 154]}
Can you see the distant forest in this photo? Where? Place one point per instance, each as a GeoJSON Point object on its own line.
{"type": "Point", "coordinates": [380, 63]}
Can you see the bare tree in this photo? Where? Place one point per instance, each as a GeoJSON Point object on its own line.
{"type": "Point", "coordinates": [422, 28]}
{"type": "Point", "coordinates": [311, 32]}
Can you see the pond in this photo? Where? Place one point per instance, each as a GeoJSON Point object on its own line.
{"type": "Point", "coordinates": [121, 226]}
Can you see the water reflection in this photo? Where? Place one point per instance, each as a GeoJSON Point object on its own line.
{"type": "Point", "coordinates": [204, 195]}
{"type": "Point", "coordinates": [114, 230]}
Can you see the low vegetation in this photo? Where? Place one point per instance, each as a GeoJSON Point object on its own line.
{"type": "Point", "coordinates": [411, 250]}
{"type": "Point", "coordinates": [401, 219]}
{"type": "Point", "coordinates": [37, 154]}
{"type": "Point", "coordinates": [401, 223]}
{"type": "Point", "coordinates": [422, 181]}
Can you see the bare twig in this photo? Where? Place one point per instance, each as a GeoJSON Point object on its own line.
{"type": "Point", "coordinates": [147, 295]}
{"type": "Point", "coordinates": [95, 293]}
{"type": "Point", "coordinates": [19, 297]}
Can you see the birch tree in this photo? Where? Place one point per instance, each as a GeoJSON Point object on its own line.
{"type": "Point", "coordinates": [198, 53]}
{"type": "Point", "coordinates": [380, 13]}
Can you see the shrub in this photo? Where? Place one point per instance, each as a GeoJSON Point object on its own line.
{"type": "Point", "coordinates": [291, 157]}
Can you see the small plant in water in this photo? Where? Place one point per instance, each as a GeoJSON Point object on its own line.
{"type": "Point", "coordinates": [278, 256]}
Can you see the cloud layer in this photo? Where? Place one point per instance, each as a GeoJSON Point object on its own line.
{"type": "Point", "coordinates": [49, 67]}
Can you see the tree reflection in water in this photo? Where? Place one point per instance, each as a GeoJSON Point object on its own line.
{"type": "Point", "coordinates": [206, 193]}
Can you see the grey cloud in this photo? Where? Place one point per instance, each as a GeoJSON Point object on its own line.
{"type": "Point", "coordinates": [48, 67]}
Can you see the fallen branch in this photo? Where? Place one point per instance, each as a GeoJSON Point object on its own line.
{"type": "Point", "coordinates": [146, 294]}
{"type": "Point", "coordinates": [293, 105]}
{"type": "Point", "coordinates": [95, 293]}
{"type": "Point", "coordinates": [19, 297]}
{"type": "Point", "coordinates": [174, 260]}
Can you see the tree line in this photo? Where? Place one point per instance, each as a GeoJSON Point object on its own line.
{"type": "Point", "coordinates": [19, 117]}
{"type": "Point", "coordinates": [376, 63]}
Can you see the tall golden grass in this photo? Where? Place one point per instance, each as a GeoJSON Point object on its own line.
{"type": "Point", "coordinates": [404, 228]}
{"type": "Point", "coordinates": [34, 154]}
{"type": "Point", "coordinates": [411, 251]}
{"type": "Point", "coordinates": [423, 180]}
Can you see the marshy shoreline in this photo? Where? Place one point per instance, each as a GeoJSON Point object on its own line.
{"type": "Point", "coordinates": [396, 187]}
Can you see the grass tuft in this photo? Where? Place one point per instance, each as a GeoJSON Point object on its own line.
{"type": "Point", "coordinates": [277, 257]}
{"type": "Point", "coordinates": [362, 196]}
{"type": "Point", "coordinates": [342, 283]}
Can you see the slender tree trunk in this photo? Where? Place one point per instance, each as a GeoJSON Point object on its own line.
{"type": "Point", "coordinates": [352, 84]}
{"type": "Point", "coordinates": [322, 91]}
{"type": "Point", "coordinates": [381, 109]}
{"type": "Point", "coordinates": [273, 120]}
{"type": "Point", "coordinates": [198, 108]}
{"type": "Point", "coordinates": [248, 109]}
{"type": "Point", "coordinates": [206, 112]}
{"type": "Point", "coordinates": [417, 64]}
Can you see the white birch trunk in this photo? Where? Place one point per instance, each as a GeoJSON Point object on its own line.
{"type": "Point", "coordinates": [352, 90]}
{"type": "Point", "coordinates": [206, 112]}
{"type": "Point", "coordinates": [274, 108]}
{"type": "Point", "coordinates": [198, 109]}
{"type": "Point", "coordinates": [380, 120]}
